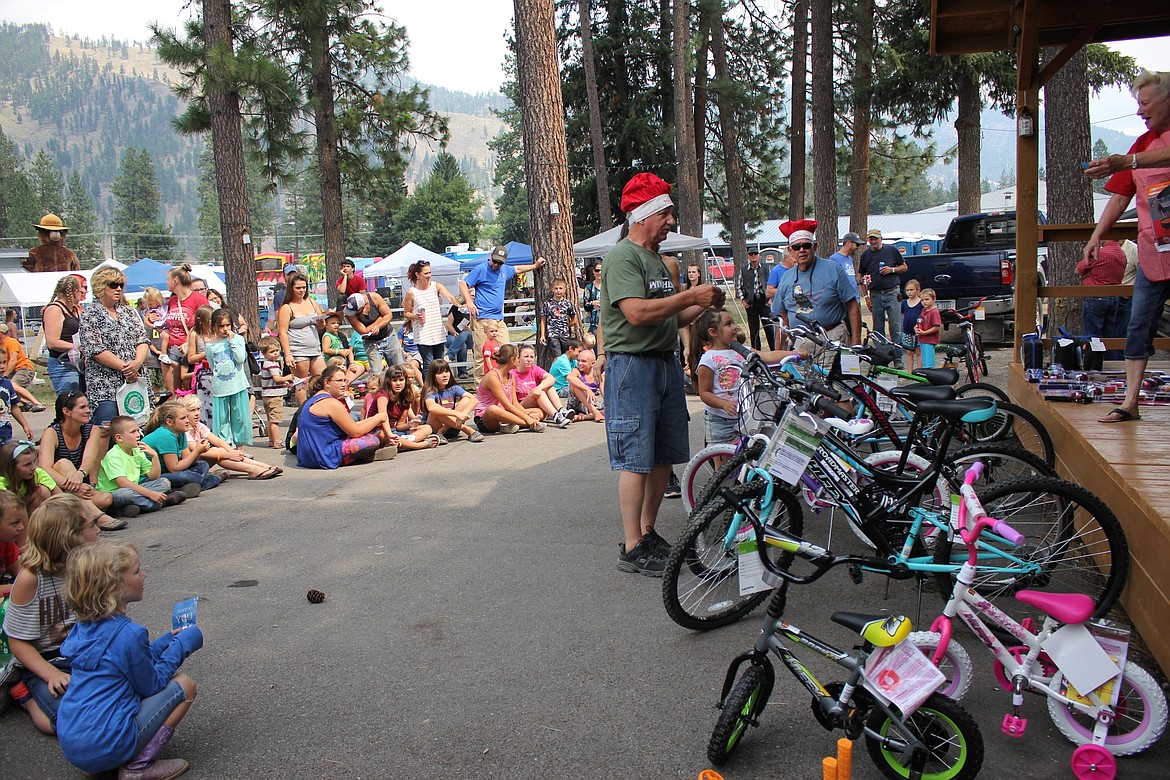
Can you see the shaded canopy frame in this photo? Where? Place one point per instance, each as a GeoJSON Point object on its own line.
{"type": "Point", "coordinates": [1023, 26]}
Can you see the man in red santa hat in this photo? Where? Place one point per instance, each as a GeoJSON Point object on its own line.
{"type": "Point", "coordinates": [646, 420]}
{"type": "Point", "coordinates": [818, 288]}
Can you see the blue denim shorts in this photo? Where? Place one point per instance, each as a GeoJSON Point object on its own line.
{"type": "Point", "coordinates": [1148, 299]}
{"type": "Point", "coordinates": [154, 710]}
{"type": "Point", "coordinates": [646, 419]}
{"type": "Point", "coordinates": [718, 429]}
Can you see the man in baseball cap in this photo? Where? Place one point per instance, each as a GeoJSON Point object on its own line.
{"type": "Point", "coordinates": [879, 268]}
{"type": "Point", "coordinates": [489, 280]}
{"type": "Point", "coordinates": [646, 419]}
{"type": "Point", "coordinates": [849, 245]}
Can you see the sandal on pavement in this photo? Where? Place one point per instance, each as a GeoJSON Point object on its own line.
{"type": "Point", "coordinates": [432, 441]}
{"type": "Point", "coordinates": [475, 437]}
{"type": "Point", "coordinates": [112, 523]}
{"type": "Point", "coordinates": [1119, 415]}
{"type": "Point", "coordinates": [267, 473]}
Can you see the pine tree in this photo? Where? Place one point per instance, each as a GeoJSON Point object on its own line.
{"type": "Point", "coordinates": [48, 184]}
{"type": "Point", "coordinates": [442, 211]}
{"type": "Point", "coordinates": [18, 212]}
{"type": "Point", "coordinates": [85, 237]}
{"type": "Point", "coordinates": [137, 227]}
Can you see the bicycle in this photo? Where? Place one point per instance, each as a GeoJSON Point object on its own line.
{"type": "Point", "coordinates": [974, 358]}
{"type": "Point", "coordinates": [702, 584]}
{"type": "Point", "coordinates": [1124, 715]}
{"type": "Point", "coordinates": [914, 733]}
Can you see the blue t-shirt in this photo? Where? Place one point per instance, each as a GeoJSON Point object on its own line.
{"type": "Point", "coordinates": [163, 440]}
{"type": "Point", "coordinates": [825, 285]}
{"type": "Point", "coordinates": [8, 399]}
{"type": "Point", "coordinates": [560, 371]}
{"type": "Point", "coordinates": [489, 289]}
{"type": "Point", "coordinates": [447, 398]}
{"type": "Point", "coordinates": [774, 277]}
{"type": "Point", "coordinates": [846, 262]}
{"type": "Point", "coordinates": [910, 315]}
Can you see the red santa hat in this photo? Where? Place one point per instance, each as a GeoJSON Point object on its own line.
{"type": "Point", "coordinates": [799, 230]}
{"type": "Point", "coordinates": [645, 195]}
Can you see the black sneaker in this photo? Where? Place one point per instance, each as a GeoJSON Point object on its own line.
{"type": "Point", "coordinates": [643, 559]}
{"type": "Point", "coordinates": [174, 498]}
{"type": "Point", "coordinates": [657, 543]}
{"type": "Point", "coordinates": [673, 487]}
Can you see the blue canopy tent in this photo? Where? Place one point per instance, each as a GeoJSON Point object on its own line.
{"type": "Point", "coordinates": [146, 273]}
{"type": "Point", "coordinates": [518, 254]}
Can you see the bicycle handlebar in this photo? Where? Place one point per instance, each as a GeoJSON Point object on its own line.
{"type": "Point", "coordinates": [971, 505]}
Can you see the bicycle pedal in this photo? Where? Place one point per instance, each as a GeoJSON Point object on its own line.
{"type": "Point", "coordinates": [1014, 726]}
{"type": "Point", "coordinates": [854, 573]}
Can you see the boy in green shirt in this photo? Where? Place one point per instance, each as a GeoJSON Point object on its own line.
{"type": "Point", "coordinates": [130, 472]}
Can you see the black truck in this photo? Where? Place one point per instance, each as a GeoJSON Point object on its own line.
{"type": "Point", "coordinates": [978, 260]}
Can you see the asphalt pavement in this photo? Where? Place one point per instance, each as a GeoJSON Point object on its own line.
{"type": "Point", "coordinates": [476, 626]}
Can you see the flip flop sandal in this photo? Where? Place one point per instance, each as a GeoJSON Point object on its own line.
{"type": "Point", "coordinates": [433, 441]}
{"type": "Point", "coordinates": [1119, 415]}
{"type": "Point", "coordinates": [475, 437]}
{"type": "Point", "coordinates": [268, 473]}
{"type": "Point", "coordinates": [114, 524]}
{"type": "Point", "coordinates": [443, 440]}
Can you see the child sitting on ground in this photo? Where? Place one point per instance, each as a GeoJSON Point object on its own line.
{"type": "Point", "coordinates": [125, 698]}
{"type": "Point", "coordinates": [413, 364]}
{"type": "Point", "coordinates": [449, 407]}
{"type": "Point", "coordinates": [397, 398]}
{"type": "Point", "coordinates": [181, 464]}
{"type": "Point", "coordinates": [130, 472]}
{"type": "Point", "coordinates": [556, 326]}
{"type": "Point", "coordinates": [9, 403]}
{"type": "Point", "coordinates": [274, 384]}
{"type": "Point", "coordinates": [586, 389]}
{"type": "Point", "coordinates": [38, 619]}
{"type": "Point", "coordinates": [221, 453]}
{"type": "Point", "coordinates": [13, 538]}
{"type": "Point", "coordinates": [561, 367]}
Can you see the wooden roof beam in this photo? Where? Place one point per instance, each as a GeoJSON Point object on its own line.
{"type": "Point", "coordinates": [1064, 55]}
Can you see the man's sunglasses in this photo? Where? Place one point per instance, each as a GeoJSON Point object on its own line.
{"type": "Point", "coordinates": [800, 247]}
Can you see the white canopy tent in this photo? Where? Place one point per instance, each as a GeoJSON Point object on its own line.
{"type": "Point", "coordinates": [443, 269]}
{"type": "Point", "coordinates": [208, 274]}
{"type": "Point", "coordinates": [599, 245]}
{"type": "Point", "coordinates": [27, 290]}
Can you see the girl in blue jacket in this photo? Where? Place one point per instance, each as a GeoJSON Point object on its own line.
{"type": "Point", "coordinates": [125, 698]}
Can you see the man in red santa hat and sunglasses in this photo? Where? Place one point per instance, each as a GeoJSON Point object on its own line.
{"type": "Point", "coordinates": [646, 420]}
{"type": "Point", "coordinates": [818, 288]}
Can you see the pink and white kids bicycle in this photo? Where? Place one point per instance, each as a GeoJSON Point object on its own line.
{"type": "Point", "coordinates": [1101, 701]}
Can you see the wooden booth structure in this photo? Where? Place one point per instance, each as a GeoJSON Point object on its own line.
{"type": "Point", "coordinates": [1124, 464]}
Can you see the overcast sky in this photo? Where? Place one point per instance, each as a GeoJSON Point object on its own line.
{"type": "Point", "coordinates": [458, 44]}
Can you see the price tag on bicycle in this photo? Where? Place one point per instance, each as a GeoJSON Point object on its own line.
{"type": "Point", "coordinates": [797, 438]}
{"type": "Point", "coordinates": [903, 675]}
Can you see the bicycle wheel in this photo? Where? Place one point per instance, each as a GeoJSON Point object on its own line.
{"type": "Point", "coordinates": [1073, 543]}
{"type": "Point", "coordinates": [1002, 462]}
{"type": "Point", "coordinates": [955, 663]}
{"type": "Point", "coordinates": [740, 710]}
{"type": "Point", "coordinates": [981, 389]}
{"type": "Point", "coordinates": [952, 738]}
{"type": "Point", "coordinates": [887, 460]}
{"type": "Point", "coordinates": [700, 583]}
{"type": "Point", "coordinates": [1140, 721]}
{"type": "Point", "coordinates": [708, 462]}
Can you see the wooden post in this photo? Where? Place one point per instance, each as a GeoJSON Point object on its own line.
{"type": "Point", "coordinates": [1027, 170]}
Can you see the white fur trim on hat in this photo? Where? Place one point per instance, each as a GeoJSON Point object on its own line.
{"type": "Point", "coordinates": [651, 207]}
{"type": "Point", "coordinates": [801, 235]}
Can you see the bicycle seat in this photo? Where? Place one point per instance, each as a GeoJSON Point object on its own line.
{"type": "Point", "coordinates": [968, 410]}
{"type": "Point", "coordinates": [1065, 607]}
{"type": "Point", "coordinates": [919, 393]}
{"type": "Point", "coordinates": [938, 376]}
{"type": "Point", "coordinates": [878, 630]}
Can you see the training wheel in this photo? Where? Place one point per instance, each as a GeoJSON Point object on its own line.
{"type": "Point", "coordinates": [1093, 762]}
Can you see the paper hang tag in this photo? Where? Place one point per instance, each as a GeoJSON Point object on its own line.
{"type": "Point", "coordinates": [1064, 342]}
{"type": "Point", "coordinates": [980, 314]}
{"type": "Point", "coordinates": [1096, 345]}
{"type": "Point", "coordinates": [751, 568]}
{"type": "Point", "coordinates": [850, 364]}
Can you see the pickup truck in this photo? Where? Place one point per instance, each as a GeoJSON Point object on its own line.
{"type": "Point", "coordinates": [977, 260]}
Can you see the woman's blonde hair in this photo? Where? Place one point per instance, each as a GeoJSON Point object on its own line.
{"type": "Point", "coordinates": [68, 285]}
{"type": "Point", "coordinates": [54, 530]}
{"type": "Point", "coordinates": [96, 580]}
{"type": "Point", "coordinates": [101, 280]}
{"type": "Point", "coordinates": [190, 402]}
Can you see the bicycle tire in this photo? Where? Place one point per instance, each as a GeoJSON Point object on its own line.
{"type": "Point", "coordinates": [1140, 715]}
{"type": "Point", "coordinates": [701, 469]}
{"type": "Point", "coordinates": [955, 665]}
{"type": "Point", "coordinates": [1073, 535]}
{"type": "Point", "coordinates": [974, 389]}
{"type": "Point", "coordinates": [740, 709]}
{"type": "Point", "coordinates": [1015, 425]}
{"type": "Point", "coordinates": [700, 582]}
{"type": "Point", "coordinates": [1002, 462]}
{"type": "Point", "coordinates": [952, 737]}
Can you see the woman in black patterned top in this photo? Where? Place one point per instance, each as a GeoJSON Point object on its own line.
{"type": "Point", "coordinates": [114, 343]}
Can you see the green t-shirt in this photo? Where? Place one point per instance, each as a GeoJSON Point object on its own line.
{"type": "Point", "coordinates": [40, 476]}
{"type": "Point", "coordinates": [133, 465]}
{"type": "Point", "coordinates": [632, 271]}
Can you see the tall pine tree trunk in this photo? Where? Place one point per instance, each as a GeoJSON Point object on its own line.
{"type": "Point", "coordinates": [596, 138]}
{"type": "Point", "coordinates": [732, 165]}
{"type": "Point", "coordinates": [227, 143]}
{"type": "Point", "coordinates": [328, 161]}
{"type": "Point", "coordinates": [798, 126]}
{"type": "Point", "coordinates": [689, 205]}
{"type": "Point", "coordinates": [701, 54]}
{"type": "Point", "coordinates": [546, 155]}
{"type": "Point", "coordinates": [1067, 142]}
{"type": "Point", "coordinates": [967, 124]}
{"type": "Point", "coordinates": [824, 127]}
{"type": "Point", "coordinates": [862, 78]}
